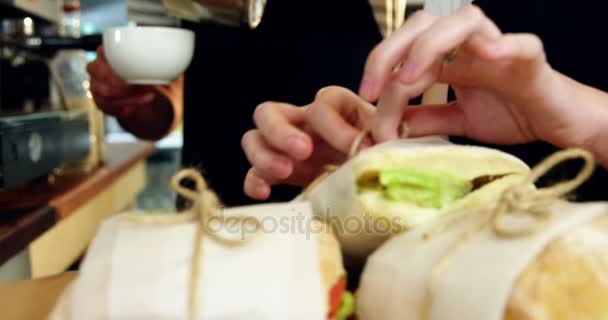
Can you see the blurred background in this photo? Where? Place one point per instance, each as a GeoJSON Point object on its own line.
{"type": "Point", "coordinates": [64, 166]}
{"type": "Point", "coordinates": [100, 14]}
{"type": "Point", "coordinates": [91, 17]}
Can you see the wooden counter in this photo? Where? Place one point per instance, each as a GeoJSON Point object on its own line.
{"type": "Point", "coordinates": [18, 230]}
{"type": "Point", "coordinates": [32, 300]}
{"type": "Point", "coordinates": [56, 221]}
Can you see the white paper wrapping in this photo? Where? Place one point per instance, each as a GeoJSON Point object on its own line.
{"type": "Point", "coordinates": [137, 271]}
{"type": "Point", "coordinates": [478, 276]}
{"type": "Point", "coordinates": [336, 198]}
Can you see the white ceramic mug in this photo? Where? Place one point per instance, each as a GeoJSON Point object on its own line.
{"type": "Point", "coordinates": [148, 55]}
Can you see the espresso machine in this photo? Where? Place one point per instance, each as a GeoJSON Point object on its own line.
{"type": "Point", "coordinates": [40, 128]}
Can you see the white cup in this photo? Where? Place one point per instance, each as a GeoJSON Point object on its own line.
{"type": "Point", "coordinates": [148, 55]}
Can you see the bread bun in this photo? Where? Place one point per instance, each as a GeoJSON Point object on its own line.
{"type": "Point", "coordinates": [332, 270]}
{"type": "Point", "coordinates": [568, 280]}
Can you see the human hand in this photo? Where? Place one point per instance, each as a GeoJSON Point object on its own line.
{"type": "Point", "coordinates": [112, 94]}
{"type": "Point", "coordinates": [291, 145]}
{"type": "Point", "coordinates": [506, 92]}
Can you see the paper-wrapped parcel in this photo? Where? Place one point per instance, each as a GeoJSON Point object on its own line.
{"type": "Point", "coordinates": [395, 186]}
{"type": "Point", "coordinates": [524, 258]}
{"type": "Point", "coordinates": [287, 266]}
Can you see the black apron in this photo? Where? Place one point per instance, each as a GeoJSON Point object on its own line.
{"type": "Point", "coordinates": [300, 47]}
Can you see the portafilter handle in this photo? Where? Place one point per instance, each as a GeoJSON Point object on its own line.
{"type": "Point", "coordinates": [48, 46]}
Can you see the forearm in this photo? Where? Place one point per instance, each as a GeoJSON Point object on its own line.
{"type": "Point", "coordinates": [598, 122]}
{"type": "Point", "coordinates": [587, 107]}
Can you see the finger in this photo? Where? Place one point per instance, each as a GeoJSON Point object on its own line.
{"type": "Point", "coordinates": [445, 119]}
{"type": "Point", "coordinates": [394, 101]}
{"type": "Point", "coordinates": [262, 157]}
{"type": "Point", "coordinates": [109, 90]}
{"type": "Point", "coordinates": [101, 70]}
{"type": "Point", "coordinates": [132, 98]}
{"type": "Point", "coordinates": [367, 112]}
{"type": "Point", "coordinates": [120, 111]}
{"type": "Point", "coordinates": [255, 186]}
{"type": "Point", "coordinates": [444, 36]}
{"type": "Point", "coordinates": [121, 108]}
{"type": "Point", "coordinates": [101, 53]}
{"type": "Point", "coordinates": [519, 46]}
{"type": "Point", "coordinates": [523, 52]}
{"type": "Point", "coordinates": [278, 122]}
{"type": "Point", "coordinates": [392, 51]}
{"type": "Point", "coordinates": [336, 116]}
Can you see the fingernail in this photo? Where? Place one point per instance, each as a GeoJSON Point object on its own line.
{"type": "Point", "coordinates": [259, 187]}
{"type": "Point", "coordinates": [262, 190]}
{"type": "Point", "coordinates": [298, 147]}
{"type": "Point", "coordinates": [407, 71]}
{"type": "Point", "coordinates": [367, 88]}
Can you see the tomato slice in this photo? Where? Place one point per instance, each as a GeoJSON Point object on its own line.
{"type": "Point", "coordinates": [335, 297]}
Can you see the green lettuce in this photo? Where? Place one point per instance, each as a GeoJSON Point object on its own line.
{"type": "Point", "coordinates": [424, 188]}
{"type": "Point", "coordinates": [347, 308]}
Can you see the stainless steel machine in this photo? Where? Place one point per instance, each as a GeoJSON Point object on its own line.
{"type": "Point", "coordinates": [37, 134]}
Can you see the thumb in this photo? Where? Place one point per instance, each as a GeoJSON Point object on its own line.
{"type": "Point", "coordinates": [443, 119]}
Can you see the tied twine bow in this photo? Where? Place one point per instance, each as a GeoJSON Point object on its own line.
{"type": "Point", "coordinates": [205, 205]}
{"type": "Point", "coordinates": [520, 200]}
{"type": "Point", "coordinates": [525, 199]}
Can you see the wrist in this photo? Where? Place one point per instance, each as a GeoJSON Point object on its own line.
{"type": "Point", "coordinates": [582, 120]}
{"type": "Point", "coordinates": [595, 122]}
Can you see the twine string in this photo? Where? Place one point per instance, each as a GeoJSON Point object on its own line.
{"type": "Point", "coordinates": [522, 199]}
{"type": "Point", "coordinates": [205, 208]}
{"type": "Point", "coordinates": [354, 150]}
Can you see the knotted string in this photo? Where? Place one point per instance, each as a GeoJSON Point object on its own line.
{"type": "Point", "coordinates": [522, 199]}
{"type": "Point", "coordinates": [354, 150]}
{"type": "Point", "coordinates": [205, 205]}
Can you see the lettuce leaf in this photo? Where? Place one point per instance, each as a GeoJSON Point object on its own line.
{"type": "Point", "coordinates": [424, 188]}
{"type": "Point", "coordinates": [347, 308]}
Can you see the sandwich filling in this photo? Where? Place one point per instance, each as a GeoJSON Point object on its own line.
{"type": "Point", "coordinates": [423, 188]}
{"type": "Point", "coordinates": [341, 302]}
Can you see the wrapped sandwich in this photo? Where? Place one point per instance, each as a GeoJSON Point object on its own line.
{"type": "Point", "coordinates": [398, 185]}
{"type": "Point", "coordinates": [239, 263]}
{"type": "Point", "coordinates": [526, 257]}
